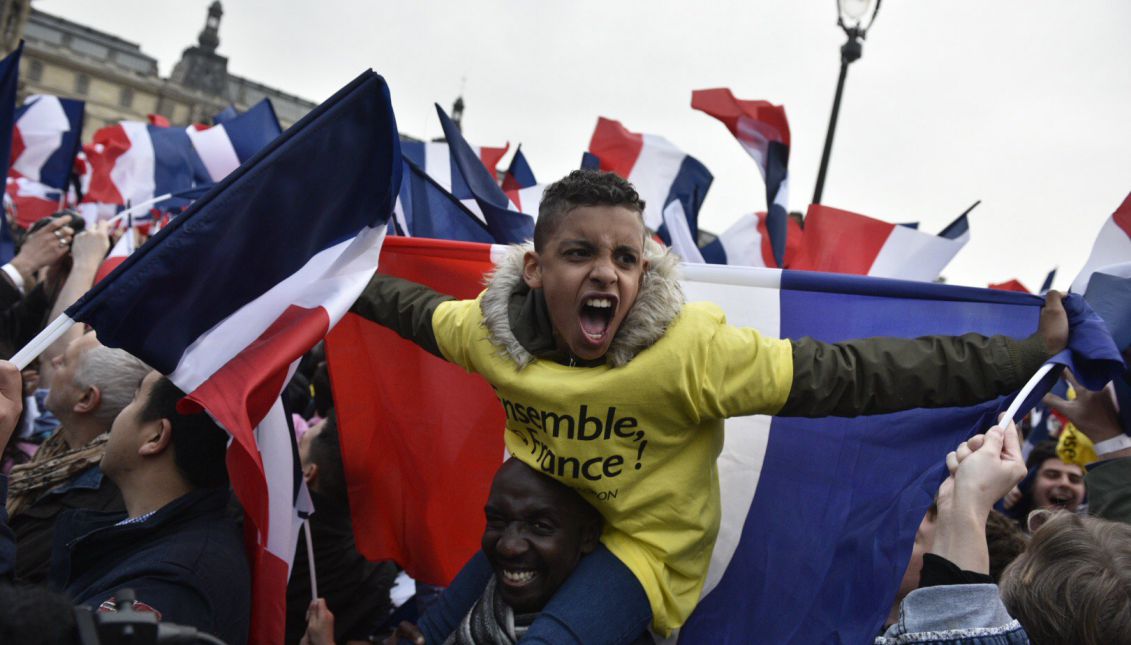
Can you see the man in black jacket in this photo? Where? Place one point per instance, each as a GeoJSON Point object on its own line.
{"type": "Point", "coordinates": [174, 546]}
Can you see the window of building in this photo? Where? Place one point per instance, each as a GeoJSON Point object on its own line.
{"type": "Point", "coordinates": [35, 70]}
{"type": "Point", "coordinates": [82, 84]}
{"type": "Point", "coordinates": [126, 97]}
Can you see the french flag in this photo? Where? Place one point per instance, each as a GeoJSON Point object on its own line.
{"type": "Point", "coordinates": [425, 209]}
{"type": "Point", "coordinates": [839, 241]}
{"type": "Point", "coordinates": [32, 201]}
{"type": "Point", "coordinates": [520, 186]}
{"type": "Point", "coordinates": [47, 136]}
{"type": "Point", "coordinates": [435, 159]}
{"type": "Point", "coordinates": [819, 515]}
{"type": "Point", "coordinates": [228, 297]}
{"type": "Point", "coordinates": [223, 147]}
{"type": "Point", "coordinates": [746, 242]}
{"type": "Point", "coordinates": [9, 83]}
{"type": "Point", "coordinates": [1113, 245]}
{"type": "Point", "coordinates": [763, 131]}
{"type": "Point", "coordinates": [132, 162]}
{"type": "Point", "coordinates": [672, 183]}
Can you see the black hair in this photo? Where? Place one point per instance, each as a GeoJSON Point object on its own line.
{"type": "Point", "coordinates": [582, 188]}
{"type": "Point", "coordinates": [199, 444]}
{"type": "Point", "coordinates": [326, 453]}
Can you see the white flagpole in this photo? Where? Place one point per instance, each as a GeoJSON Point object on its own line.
{"type": "Point", "coordinates": [1015, 405]}
{"type": "Point", "coordinates": [139, 208]}
{"type": "Point", "coordinates": [310, 560]}
{"type": "Point", "coordinates": [42, 341]}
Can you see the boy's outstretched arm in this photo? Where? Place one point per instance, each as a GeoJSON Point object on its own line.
{"type": "Point", "coordinates": [403, 306]}
{"type": "Point", "coordinates": [880, 375]}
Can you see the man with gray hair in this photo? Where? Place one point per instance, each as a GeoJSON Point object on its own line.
{"type": "Point", "coordinates": [92, 384]}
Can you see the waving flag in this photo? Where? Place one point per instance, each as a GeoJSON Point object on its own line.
{"type": "Point", "coordinates": [839, 241]}
{"type": "Point", "coordinates": [819, 515]}
{"type": "Point", "coordinates": [9, 83]}
{"type": "Point", "coordinates": [522, 189]}
{"type": "Point", "coordinates": [47, 136]}
{"type": "Point", "coordinates": [132, 162]}
{"type": "Point", "coordinates": [32, 201]}
{"type": "Point", "coordinates": [672, 183]}
{"type": "Point", "coordinates": [435, 159]}
{"type": "Point", "coordinates": [763, 131]}
{"type": "Point", "coordinates": [1113, 245]}
{"type": "Point", "coordinates": [747, 243]}
{"type": "Point", "coordinates": [227, 298]}
{"type": "Point", "coordinates": [425, 209]}
{"type": "Point", "coordinates": [471, 179]}
{"type": "Point", "coordinates": [223, 147]}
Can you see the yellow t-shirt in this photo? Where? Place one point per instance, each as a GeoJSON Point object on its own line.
{"type": "Point", "coordinates": [638, 441]}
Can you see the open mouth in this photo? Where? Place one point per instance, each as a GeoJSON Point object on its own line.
{"type": "Point", "coordinates": [518, 577]}
{"type": "Point", "coordinates": [1061, 500]}
{"type": "Point", "coordinates": [596, 315]}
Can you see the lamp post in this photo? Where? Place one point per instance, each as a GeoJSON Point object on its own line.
{"type": "Point", "coordinates": [851, 16]}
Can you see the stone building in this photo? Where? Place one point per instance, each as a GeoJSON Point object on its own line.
{"type": "Point", "coordinates": [118, 81]}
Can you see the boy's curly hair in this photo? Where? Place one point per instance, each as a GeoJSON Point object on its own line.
{"type": "Point", "coordinates": [582, 188]}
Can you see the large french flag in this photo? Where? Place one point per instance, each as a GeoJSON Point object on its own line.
{"type": "Point", "coordinates": [819, 516]}
{"type": "Point", "coordinates": [223, 147]}
{"type": "Point", "coordinates": [672, 183]}
{"type": "Point", "coordinates": [46, 138]}
{"type": "Point", "coordinates": [763, 131]}
{"type": "Point", "coordinates": [132, 162]}
{"type": "Point", "coordinates": [228, 297]}
{"type": "Point", "coordinates": [839, 241]}
{"type": "Point", "coordinates": [1113, 245]}
{"type": "Point", "coordinates": [9, 83]}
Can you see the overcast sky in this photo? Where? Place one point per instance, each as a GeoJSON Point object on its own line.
{"type": "Point", "coordinates": [1024, 104]}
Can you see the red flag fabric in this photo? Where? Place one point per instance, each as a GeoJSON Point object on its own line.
{"type": "Point", "coordinates": [392, 417]}
{"type": "Point", "coordinates": [1010, 285]}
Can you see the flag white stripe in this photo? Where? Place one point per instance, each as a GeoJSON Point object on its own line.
{"type": "Point", "coordinates": [215, 149]}
{"type": "Point", "coordinates": [909, 254]}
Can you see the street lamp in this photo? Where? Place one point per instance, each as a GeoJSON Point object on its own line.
{"type": "Point", "coordinates": [852, 14]}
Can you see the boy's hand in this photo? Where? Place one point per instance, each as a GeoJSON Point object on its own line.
{"type": "Point", "coordinates": [319, 624]}
{"type": "Point", "coordinates": [1093, 413]}
{"type": "Point", "coordinates": [984, 469]}
{"type": "Point", "coordinates": [1053, 326]}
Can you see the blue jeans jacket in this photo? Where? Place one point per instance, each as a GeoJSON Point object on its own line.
{"type": "Point", "coordinates": [954, 615]}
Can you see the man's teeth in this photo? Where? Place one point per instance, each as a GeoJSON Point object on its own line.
{"type": "Point", "coordinates": [518, 576]}
{"type": "Point", "coordinates": [603, 303]}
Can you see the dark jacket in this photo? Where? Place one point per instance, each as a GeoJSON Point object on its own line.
{"type": "Point", "coordinates": [186, 561]}
{"type": "Point", "coordinates": [356, 590]}
{"type": "Point", "coordinates": [35, 526]}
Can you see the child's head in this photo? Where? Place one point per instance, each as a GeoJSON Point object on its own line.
{"type": "Point", "coordinates": [588, 258]}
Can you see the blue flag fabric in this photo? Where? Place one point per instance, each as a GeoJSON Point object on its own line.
{"type": "Point", "coordinates": [836, 502]}
{"type": "Point", "coordinates": [254, 228]}
{"type": "Point", "coordinates": [425, 209]}
{"type": "Point", "coordinates": [505, 225]}
{"type": "Point", "coordinates": [9, 81]}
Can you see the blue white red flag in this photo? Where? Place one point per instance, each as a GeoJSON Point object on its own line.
{"type": "Point", "coordinates": [436, 160]}
{"type": "Point", "coordinates": [47, 136]}
{"type": "Point", "coordinates": [9, 83]}
{"type": "Point", "coordinates": [132, 162]}
{"type": "Point", "coordinates": [672, 183]}
{"type": "Point", "coordinates": [227, 298]}
{"type": "Point", "coordinates": [763, 131]}
{"type": "Point", "coordinates": [31, 200]}
{"type": "Point", "coordinates": [223, 147]}
{"type": "Point", "coordinates": [425, 209]}
{"type": "Point", "coordinates": [487, 200]}
{"type": "Point", "coordinates": [1113, 245]}
{"type": "Point", "coordinates": [747, 243]}
{"type": "Point", "coordinates": [819, 515]}
{"type": "Point", "coordinates": [838, 241]}
{"type": "Point", "coordinates": [520, 186]}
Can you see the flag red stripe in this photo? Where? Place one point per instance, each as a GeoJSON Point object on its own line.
{"type": "Point", "coordinates": [838, 241]}
{"type": "Point", "coordinates": [1122, 215]}
{"type": "Point", "coordinates": [617, 148]}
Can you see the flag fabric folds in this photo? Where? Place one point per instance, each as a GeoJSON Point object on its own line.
{"type": "Point", "coordinates": [132, 162]}
{"type": "Point", "coordinates": [47, 136]}
{"type": "Point", "coordinates": [672, 183]}
{"type": "Point", "coordinates": [223, 147]}
{"type": "Point", "coordinates": [747, 243]}
{"type": "Point", "coordinates": [763, 131]}
{"type": "Point", "coordinates": [818, 515]}
{"type": "Point", "coordinates": [1112, 246]}
{"type": "Point", "coordinates": [9, 83]}
{"type": "Point", "coordinates": [839, 241]}
{"type": "Point", "coordinates": [227, 298]}
{"type": "Point", "coordinates": [425, 209]}
{"type": "Point", "coordinates": [520, 186]}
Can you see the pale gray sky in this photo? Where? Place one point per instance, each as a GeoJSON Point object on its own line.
{"type": "Point", "coordinates": [1024, 104]}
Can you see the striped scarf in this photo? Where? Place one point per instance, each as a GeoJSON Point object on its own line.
{"type": "Point", "coordinates": [491, 622]}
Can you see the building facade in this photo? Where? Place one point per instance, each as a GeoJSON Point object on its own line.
{"type": "Point", "coordinates": [119, 82]}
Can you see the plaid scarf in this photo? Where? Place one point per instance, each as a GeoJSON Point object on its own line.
{"type": "Point", "coordinates": [491, 622]}
{"type": "Point", "coordinates": [54, 463]}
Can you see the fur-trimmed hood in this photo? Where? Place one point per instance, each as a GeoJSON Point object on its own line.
{"type": "Point", "coordinates": [508, 304]}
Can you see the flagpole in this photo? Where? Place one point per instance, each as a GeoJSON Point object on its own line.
{"type": "Point", "coordinates": [1024, 394]}
{"type": "Point", "coordinates": [134, 209]}
{"type": "Point", "coordinates": [42, 341]}
{"type": "Point", "coordinates": [310, 559]}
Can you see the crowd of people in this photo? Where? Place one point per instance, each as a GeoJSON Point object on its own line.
{"type": "Point", "coordinates": [117, 500]}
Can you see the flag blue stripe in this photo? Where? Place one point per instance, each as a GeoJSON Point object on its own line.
{"type": "Point", "coordinates": [56, 172]}
{"type": "Point", "coordinates": [252, 130]}
{"type": "Point", "coordinates": [9, 81]}
{"type": "Point", "coordinates": [432, 212]}
{"type": "Point", "coordinates": [176, 166]}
